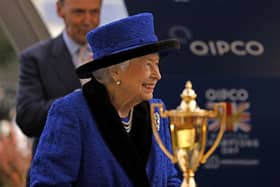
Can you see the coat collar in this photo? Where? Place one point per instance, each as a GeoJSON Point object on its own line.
{"type": "Point", "coordinates": [63, 65]}
{"type": "Point", "coordinates": [131, 151]}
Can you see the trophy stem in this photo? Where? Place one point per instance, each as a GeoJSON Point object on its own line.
{"type": "Point", "coordinates": [188, 180]}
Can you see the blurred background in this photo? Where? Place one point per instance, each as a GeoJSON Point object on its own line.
{"type": "Point", "coordinates": [230, 52]}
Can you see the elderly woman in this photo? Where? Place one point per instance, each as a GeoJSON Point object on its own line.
{"type": "Point", "coordinates": [101, 135]}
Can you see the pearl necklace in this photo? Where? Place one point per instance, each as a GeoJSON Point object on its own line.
{"type": "Point", "coordinates": [128, 125]}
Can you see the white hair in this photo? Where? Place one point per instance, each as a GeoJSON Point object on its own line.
{"type": "Point", "coordinates": [103, 75]}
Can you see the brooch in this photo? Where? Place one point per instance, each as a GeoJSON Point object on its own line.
{"type": "Point", "coordinates": [157, 120]}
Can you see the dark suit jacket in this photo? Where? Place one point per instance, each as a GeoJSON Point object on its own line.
{"type": "Point", "coordinates": [46, 73]}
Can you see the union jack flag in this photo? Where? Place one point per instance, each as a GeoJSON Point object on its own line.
{"type": "Point", "coordinates": [237, 117]}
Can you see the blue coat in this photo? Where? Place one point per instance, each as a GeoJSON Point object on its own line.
{"type": "Point", "coordinates": [84, 145]}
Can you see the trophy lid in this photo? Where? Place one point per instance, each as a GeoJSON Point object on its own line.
{"type": "Point", "coordinates": [188, 96]}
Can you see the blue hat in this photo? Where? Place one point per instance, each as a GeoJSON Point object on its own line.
{"type": "Point", "coordinates": [122, 40]}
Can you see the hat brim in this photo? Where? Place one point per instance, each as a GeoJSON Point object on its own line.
{"type": "Point", "coordinates": [165, 46]}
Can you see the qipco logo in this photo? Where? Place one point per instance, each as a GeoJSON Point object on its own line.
{"type": "Point", "coordinates": [226, 94]}
{"type": "Point", "coordinates": [221, 47]}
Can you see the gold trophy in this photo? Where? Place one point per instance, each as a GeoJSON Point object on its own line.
{"type": "Point", "coordinates": [188, 124]}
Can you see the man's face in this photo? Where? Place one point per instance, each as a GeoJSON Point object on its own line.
{"type": "Point", "coordinates": [80, 16]}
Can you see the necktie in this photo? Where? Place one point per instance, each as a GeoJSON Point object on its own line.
{"type": "Point", "coordinates": [84, 55]}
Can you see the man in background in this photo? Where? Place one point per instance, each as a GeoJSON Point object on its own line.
{"type": "Point", "coordinates": [47, 69]}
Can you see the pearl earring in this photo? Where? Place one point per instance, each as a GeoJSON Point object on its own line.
{"type": "Point", "coordinates": [118, 82]}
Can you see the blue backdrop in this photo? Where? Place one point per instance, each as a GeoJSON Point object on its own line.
{"type": "Point", "coordinates": [230, 52]}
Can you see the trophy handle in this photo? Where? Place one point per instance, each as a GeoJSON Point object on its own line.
{"type": "Point", "coordinates": [155, 131]}
{"type": "Point", "coordinates": [221, 131]}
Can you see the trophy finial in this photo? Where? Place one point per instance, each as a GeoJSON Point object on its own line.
{"type": "Point", "coordinates": [188, 93]}
{"type": "Point", "coordinates": [188, 98]}
{"type": "Point", "coordinates": [188, 85]}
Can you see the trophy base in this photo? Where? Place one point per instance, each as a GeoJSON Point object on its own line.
{"type": "Point", "coordinates": [189, 182]}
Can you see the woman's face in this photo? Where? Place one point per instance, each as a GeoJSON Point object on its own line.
{"type": "Point", "coordinates": [139, 79]}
